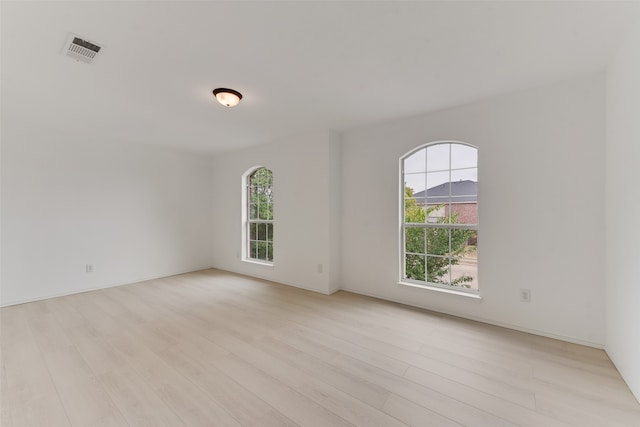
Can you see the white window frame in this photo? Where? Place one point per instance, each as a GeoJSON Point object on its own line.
{"type": "Point", "coordinates": [474, 293]}
{"type": "Point", "coordinates": [247, 221]}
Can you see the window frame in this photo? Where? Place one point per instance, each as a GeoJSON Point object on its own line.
{"type": "Point", "coordinates": [403, 280]}
{"type": "Point", "coordinates": [247, 221]}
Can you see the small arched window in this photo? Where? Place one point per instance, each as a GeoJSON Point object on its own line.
{"type": "Point", "coordinates": [439, 204]}
{"type": "Point", "coordinates": [259, 216]}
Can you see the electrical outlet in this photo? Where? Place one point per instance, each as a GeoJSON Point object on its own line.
{"type": "Point", "coordinates": [525, 295]}
{"type": "Point", "coordinates": [320, 268]}
{"type": "Point", "coordinates": [89, 268]}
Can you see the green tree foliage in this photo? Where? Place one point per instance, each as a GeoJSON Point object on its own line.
{"type": "Point", "coordinates": [261, 209]}
{"type": "Point", "coordinates": [260, 187]}
{"type": "Point", "coordinates": [430, 246]}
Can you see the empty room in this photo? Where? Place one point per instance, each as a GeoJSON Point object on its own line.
{"type": "Point", "coordinates": [320, 213]}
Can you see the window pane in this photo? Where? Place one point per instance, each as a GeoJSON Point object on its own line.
{"type": "Point", "coordinates": [269, 232]}
{"type": "Point", "coordinates": [253, 231]}
{"type": "Point", "coordinates": [262, 177]}
{"type": "Point", "coordinates": [438, 269]}
{"type": "Point", "coordinates": [471, 248]}
{"type": "Point", "coordinates": [268, 210]}
{"type": "Point", "coordinates": [253, 193]}
{"type": "Point", "coordinates": [437, 184]}
{"type": "Point", "coordinates": [438, 157]}
{"type": "Point", "coordinates": [438, 241]}
{"type": "Point", "coordinates": [416, 162]}
{"type": "Point", "coordinates": [268, 177]}
{"type": "Point", "coordinates": [253, 249]}
{"type": "Point", "coordinates": [253, 211]}
{"type": "Point", "coordinates": [262, 231]}
{"type": "Point", "coordinates": [464, 273]}
{"type": "Point", "coordinates": [269, 252]}
{"type": "Point", "coordinates": [436, 213]}
{"type": "Point", "coordinates": [416, 182]}
{"type": "Point", "coordinates": [463, 156]}
{"type": "Point", "coordinates": [470, 174]}
{"type": "Point", "coordinates": [414, 210]}
{"type": "Point", "coordinates": [268, 193]}
{"type": "Point", "coordinates": [414, 240]}
{"type": "Point", "coordinates": [459, 240]}
{"type": "Point", "coordinates": [464, 213]}
{"type": "Point", "coordinates": [414, 267]}
{"type": "Point", "coordinates": [262, 250]}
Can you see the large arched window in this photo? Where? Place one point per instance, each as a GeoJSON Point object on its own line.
{"type": "Point", "coordinates": [259, 216]}
{"type": "Point", "coordinates": [439, 237]}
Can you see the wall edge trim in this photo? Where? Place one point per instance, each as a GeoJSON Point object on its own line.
{"type": "Point", "coordinates": [96, 288]}
{"type": "Point", "coordinates": [484, 320]}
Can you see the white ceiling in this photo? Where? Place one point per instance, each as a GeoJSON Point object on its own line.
{"type": "Point", "coordinates": [301, 66]}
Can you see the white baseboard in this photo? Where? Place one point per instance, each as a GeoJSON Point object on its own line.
{"type": "Point", "coordinates": [483, 320]}
{"type": "Point", "coordinates": [297, 285]}
{"type": "Point", "coordinates": [96, 288]}
{"type": "Point", "coordinates": [636, 393]}
{"type": "Point", "coordinates": [282, 282]}
{"type": "Point", "coordinates": [515, 327]}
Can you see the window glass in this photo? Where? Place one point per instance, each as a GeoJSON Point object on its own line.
{"type": "Point", "coordinates": [259, 225]}
{"type": "Point", "coordinates": [440, 224]}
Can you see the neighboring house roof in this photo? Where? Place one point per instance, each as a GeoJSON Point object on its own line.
{"type": "Point", "coordinates": [462, 191]}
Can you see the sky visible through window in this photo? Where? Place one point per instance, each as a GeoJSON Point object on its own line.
{"type": "Point", "coordinates": [435, 159]}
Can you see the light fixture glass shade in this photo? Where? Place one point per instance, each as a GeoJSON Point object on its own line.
{"type": "Point", "coordinates": [227, 97]}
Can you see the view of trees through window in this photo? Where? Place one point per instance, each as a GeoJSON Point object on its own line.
{"type": "Point", "coordinates": [260, 213]}
{"type": "Point", "coordinates": [440, 227]}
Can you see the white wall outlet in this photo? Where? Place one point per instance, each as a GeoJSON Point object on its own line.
{"type": "Point", "coordinates": [320, 268]}
{"type": "Point", "coordinates": [525, 295]}
{"type": "Point", "coordinates": [89, 268]}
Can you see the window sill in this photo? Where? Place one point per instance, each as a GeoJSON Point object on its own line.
{"type": "Point", "coordinates": [472, 295]}
{"type": "Point", "coordinates": [264, 264]}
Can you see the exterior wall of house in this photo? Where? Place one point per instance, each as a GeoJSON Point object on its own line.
{"type": "Point", "coordinates": [467, 212]}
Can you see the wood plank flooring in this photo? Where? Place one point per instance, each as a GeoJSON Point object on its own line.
{"type": "Point", "coordinates": [213, 348]}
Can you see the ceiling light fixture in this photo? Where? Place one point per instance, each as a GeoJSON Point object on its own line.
{"type": "Point", "coordinates": [227, 97]}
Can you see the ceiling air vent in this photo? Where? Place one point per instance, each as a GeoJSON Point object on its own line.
{"type": "Point", "coordinates": [80, 49]}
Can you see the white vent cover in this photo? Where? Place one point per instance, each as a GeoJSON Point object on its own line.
{"type": "Point", "coordinates": [80, 49]}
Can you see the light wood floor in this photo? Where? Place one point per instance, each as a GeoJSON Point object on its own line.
{"type": "Point", "coordinates": [216, 349]}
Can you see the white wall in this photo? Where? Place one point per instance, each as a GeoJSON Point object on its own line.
{"type": "Point", "coordinates": [306, 211]}
{"type": "Point", "coordinates": [623, 211]}
{"type": "Point", "coordinates": [541, 192]}
{"type": "Point", "coordinates": [334, 212]}
{"type": "Point", "coordinates": [137, 212]}
{"type": "Point", "coordinates": [133, 211]}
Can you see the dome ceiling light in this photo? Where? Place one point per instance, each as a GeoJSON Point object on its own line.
{"type": "Point", "coordinates": [227, 97]}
